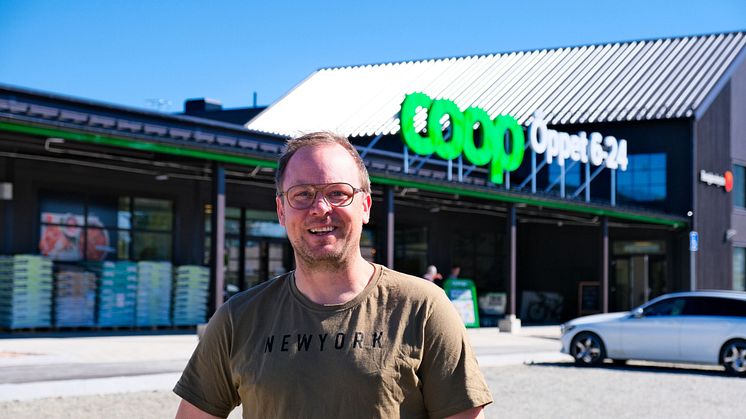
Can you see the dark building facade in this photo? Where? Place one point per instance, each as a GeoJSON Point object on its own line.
{"type": "Point", "coordinates": [554, 240]}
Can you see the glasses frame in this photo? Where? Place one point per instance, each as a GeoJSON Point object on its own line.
{"type": "Point", "coordinates": [319, 187]}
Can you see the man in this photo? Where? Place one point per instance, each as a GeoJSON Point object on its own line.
{"type": "Point", "coordinates": [338, 337]}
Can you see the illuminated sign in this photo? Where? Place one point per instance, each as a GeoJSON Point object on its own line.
{"type": "Point", "coordinates": [492, 149]}
{"type": "Point", "coordinates": [724, 181]}
{"type": "Point", "coordinates": [578, 147]}
{"type": "Point", "coordinates": [554, 145]}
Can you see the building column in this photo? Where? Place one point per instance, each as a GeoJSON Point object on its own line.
{"type": "Point", "coordinates": [511, 323]}
{"type": "Point", "coordinates": [512, 257]}
{"type": "Point", "coordinates": [604, 264]}
{"type": "Point", "coordinates": [217, 237]}
{"type": "Point", "coordinates": [388, 196]}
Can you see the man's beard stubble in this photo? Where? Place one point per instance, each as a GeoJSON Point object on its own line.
{"type": "Point", "coordinates": [334, 260]}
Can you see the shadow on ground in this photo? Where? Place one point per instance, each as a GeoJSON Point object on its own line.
{"type": "Point", "coordinates": [647, 367]}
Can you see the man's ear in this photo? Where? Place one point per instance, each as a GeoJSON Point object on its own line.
{"type": "Point", "coordinates": [280, 210]}
{"type": "Point", "coordinates": [367, 202]}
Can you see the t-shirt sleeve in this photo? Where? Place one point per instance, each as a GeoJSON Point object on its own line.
{"type": "Point", "coordinates": [451, 379]}
{"type": "Point", "coordinates": [207, 381]}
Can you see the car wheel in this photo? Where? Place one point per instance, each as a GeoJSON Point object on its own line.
{"type": "Point", "coordinates": [733, 357]}
{"type": "Point", "coordinates": [587, 349]}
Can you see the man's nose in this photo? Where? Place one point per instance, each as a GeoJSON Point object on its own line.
{"type": "Point", "coordinates": [320, 204]}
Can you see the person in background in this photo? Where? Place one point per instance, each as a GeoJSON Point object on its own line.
{"type": "Point", "coordinates": [455, 272]}
{"type": "Point", "coordinates": [338, 337]}
{"type": "Point", "coordinates": [432, 275]}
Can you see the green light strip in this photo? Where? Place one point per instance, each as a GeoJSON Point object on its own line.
{"type": "Point", "coordinates": [494, 196]}
{"type": "Point", "coordinates": [136, 145]}
{"type": "Point", "coordinates": [248, 161]}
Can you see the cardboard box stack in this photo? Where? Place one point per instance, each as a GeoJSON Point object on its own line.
{"type": "Point", "coordinates": [117, 290]}
{"type": "Point", "coordinates": [25, 292]}
{"type": "Point", "coordinates": [75, 296]}
{"type": "Point", "coordinates": [153, 294]}
{"type": "Point", "coordinates": [190, 295]}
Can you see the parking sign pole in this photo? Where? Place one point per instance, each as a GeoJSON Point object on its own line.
{"type": "Point", "coordinates": [693, 248]}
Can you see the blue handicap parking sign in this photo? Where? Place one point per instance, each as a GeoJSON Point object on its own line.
{"type": "Point", "coordinates": [693, 241]}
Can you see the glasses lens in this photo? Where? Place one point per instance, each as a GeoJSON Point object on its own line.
{"type": "Point", "coordinates": [301, 196]}
{"type": "Point", "coordinates": [339, 194]}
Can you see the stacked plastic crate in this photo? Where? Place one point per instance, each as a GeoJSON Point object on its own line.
{"type": "Point", "coordinates": [25, 292]}
{"type": "Point", "coordinates": [190, 295]}
{"type": "Point", "coordinates": [117, 291]}
{"type": "Point", "coordinates": [153, 294]}
{"type": "Point", "coordinates": [75, 296]}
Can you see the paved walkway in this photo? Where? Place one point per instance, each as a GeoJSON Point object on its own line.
{"type": "Point", "coordinates": [32, 368]}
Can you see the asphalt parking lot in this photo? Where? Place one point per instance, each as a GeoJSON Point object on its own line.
{"type": "Point", "coordinates": [527, 375]}
{"type": "Point", "coordinates": [542, 390]}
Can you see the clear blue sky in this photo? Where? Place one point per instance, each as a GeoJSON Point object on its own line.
{"type": "Point", "coordinates": [127, 52]}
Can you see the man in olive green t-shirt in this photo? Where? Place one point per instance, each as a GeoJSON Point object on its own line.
{"type": "Point", "coordinates": [339, 336]}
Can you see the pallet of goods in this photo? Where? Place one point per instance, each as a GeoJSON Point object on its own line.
{"type": "Point", "coordinates": [25, 292]}
{"type": "Point", "coordinates": [117, 289]}
{"type": "Point", "coordinates": [190, 295]}
{"type": "Point", "coordinates": [75, 296]}
{"type": "Point", "coordinates": [153, 306]}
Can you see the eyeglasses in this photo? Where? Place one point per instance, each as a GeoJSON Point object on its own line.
{"type": "Point", "coordinates": [338, 194]}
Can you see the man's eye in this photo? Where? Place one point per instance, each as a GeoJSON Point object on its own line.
{"type": "Point", "coordinates": [337, 194]}
{"type": "Point", "coordinates": [304, 195]}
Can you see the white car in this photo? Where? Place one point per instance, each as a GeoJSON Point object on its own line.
{"type": "Point", "coordinates": [704, 327]}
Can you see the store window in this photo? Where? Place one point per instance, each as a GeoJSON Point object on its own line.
{"type": "Point", "coordinates": [410, 250]}
{"type": "Point", "coordinates": [739, 186]}
{"type": "Point", "coordinates": [94, 228]}
{"type": "Point", "coordinates": [368, 244]}
{"type": "Point", "coordinates": [479, 256]}
{"type": "Point", "coordinates": [739, 268]}
{"type": "Point", "coordinates": [644, 181]}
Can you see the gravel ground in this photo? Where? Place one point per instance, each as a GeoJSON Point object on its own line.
{"type": "Point", "coordinates": [522, 391]}
{"type": "Point", "coordinates": [142, 405]}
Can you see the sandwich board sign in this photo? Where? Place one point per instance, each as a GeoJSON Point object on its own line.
{"type": "Point", "coordinates": [463, 295]}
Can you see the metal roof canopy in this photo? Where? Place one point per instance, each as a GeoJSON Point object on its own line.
{"type": "Point", "coordinates": [621, 81]}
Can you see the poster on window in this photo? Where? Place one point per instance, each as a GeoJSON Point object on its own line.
{"type": "Point", "coordinates": [64, 238]}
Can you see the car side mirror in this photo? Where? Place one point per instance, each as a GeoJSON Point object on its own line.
{"type": "Point", "coordinates": [637, 313]}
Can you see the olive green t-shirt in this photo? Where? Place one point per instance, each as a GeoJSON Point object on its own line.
{"type": "Point", "coordinates": [398, 349]}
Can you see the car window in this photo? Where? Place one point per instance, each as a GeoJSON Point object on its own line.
{"type": "Point", "coordinates": [668, 307]}
{"type": "Point", "coordinates": [714, 306]}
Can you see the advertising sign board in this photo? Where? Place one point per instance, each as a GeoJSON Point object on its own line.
{"type": "Point", "coordinates": [463, 295]}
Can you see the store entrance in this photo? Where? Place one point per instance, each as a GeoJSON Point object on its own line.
{"type": "Point", "coordinates": [635, 279]}
{"type": "Point", "coordinates": [256, 248]}
{"type": "Point", "coordinates": [264, 260]}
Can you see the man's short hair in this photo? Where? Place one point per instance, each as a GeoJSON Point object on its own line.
{"type": "Point", "coordinates": [314, 139]}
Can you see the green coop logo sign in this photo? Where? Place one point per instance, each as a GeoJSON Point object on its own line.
{"type": "Point", "coordinates": [492, 150]}
{"type": "Point", "coordinates": [592, 148]}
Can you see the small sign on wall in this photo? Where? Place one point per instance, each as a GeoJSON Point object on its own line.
{"type": "Point", "coordinates": [693, 241]}
{"type": "Point", "coordinates": [6, 191]}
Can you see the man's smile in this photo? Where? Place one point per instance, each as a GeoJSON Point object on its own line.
{"type": "Point", "coordinates": [321, 230]}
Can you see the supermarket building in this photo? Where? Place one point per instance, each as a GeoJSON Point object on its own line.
{"type": "Point", "coordinates": [568, 179]}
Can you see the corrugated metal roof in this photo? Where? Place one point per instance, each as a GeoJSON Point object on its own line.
{"type": "Point", "coordinates": [623, 81]}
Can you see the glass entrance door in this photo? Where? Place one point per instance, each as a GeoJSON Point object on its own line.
{"type": "Point", "coordinates": [635, 280]}
{"type": "Point", "coordinates": [256, 248]}
{"type": "Point", "coordinates": [264, 260]}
